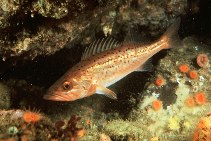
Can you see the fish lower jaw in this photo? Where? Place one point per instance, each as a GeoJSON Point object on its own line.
{"type": "Point", "coordinates": [55, 98]}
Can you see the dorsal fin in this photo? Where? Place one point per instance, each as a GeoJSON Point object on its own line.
{"type": "Point", "coordinates": [98, 46]}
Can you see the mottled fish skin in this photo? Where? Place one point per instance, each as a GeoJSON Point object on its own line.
{"type": "Point", "coordinates": [92, 75]}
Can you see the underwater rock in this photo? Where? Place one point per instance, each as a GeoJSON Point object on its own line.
{"type": "Point", "coordinates": [23, 93]}
{"type": "Point", "coordinates": [31, 30]}
{"type": "Point", "coordinates": [152, 17]}
{"type": "Point", "coordinates": [183, 100]}
{"type": "Point", "coordinates": [5, 96]}
{"type": "Point", "coordinates": [13, 123]}
{"type": "Point", "coordinates": [104, 137]}
{"type": "Point", "coordinates": [7, 10]}
{"type": "Point", "coordinates": [124, 130]}
{"type": "Point", "coordinates": [51, 9]}
{"type": "Point", "coordinates": [43, 27]}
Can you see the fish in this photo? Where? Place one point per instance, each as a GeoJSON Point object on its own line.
{"type": "Point", "coordinates": [105, 62]}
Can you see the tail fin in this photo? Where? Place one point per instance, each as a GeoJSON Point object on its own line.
{"type": "Point", "coordinates": [171, 35]}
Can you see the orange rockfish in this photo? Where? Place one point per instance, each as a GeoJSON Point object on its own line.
{"type": "Point", "coordinates": [104, 63]}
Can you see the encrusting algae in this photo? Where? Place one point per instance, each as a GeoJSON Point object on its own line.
{"type": "Point", "coordinates": [190, 101]}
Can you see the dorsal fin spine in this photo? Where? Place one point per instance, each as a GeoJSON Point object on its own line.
{"type": "Point", "coordinates": [103, 44]}
{"type": "Point", "coordinates": [99, 46]}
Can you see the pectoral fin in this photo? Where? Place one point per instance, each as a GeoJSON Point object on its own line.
{"type": "Point", "coordinates": [105, 91]}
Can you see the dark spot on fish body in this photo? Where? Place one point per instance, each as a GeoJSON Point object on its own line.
{"type": "Point", "coordinates": [115, 60]}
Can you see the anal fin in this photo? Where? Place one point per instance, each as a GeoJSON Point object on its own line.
{"type": "Point", "coordinates": [147, 66]}
{"type": "Point", "coordinates": [105, 91]}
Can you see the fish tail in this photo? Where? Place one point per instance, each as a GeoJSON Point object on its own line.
{"type": "Point", "coordinates": [171, 35]}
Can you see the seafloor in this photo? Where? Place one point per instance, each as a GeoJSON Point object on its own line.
{"type": "Point", "coordinates": [41, 39]}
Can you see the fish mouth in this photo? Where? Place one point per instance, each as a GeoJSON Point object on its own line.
{"type": "Point", "coordinates": [56, 97]}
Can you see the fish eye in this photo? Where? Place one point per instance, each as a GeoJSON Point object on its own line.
{"type": "Point", "coordinates": [66, 85]}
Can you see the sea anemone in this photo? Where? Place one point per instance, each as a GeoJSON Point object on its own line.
{"type": "Point", "coordinates": [156, 104]}
{"type": "Point", "coordinates": [159, 81]}
{"type": "Point", "coordinates": [31, 117]}
{"type": "Point", "coordinates": [202, 60]}
{"type": "Point", "coordinates": [184, 68]}
{"type": "Point", "coordinates": [200, 98]}
{"type": "Point", "coordinates": [190, 101]}
{"type": "Point", "coordinates": [193, 74]}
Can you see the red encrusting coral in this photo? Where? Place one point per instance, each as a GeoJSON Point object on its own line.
{"type": "Point", "coordinates": [202, 60]}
